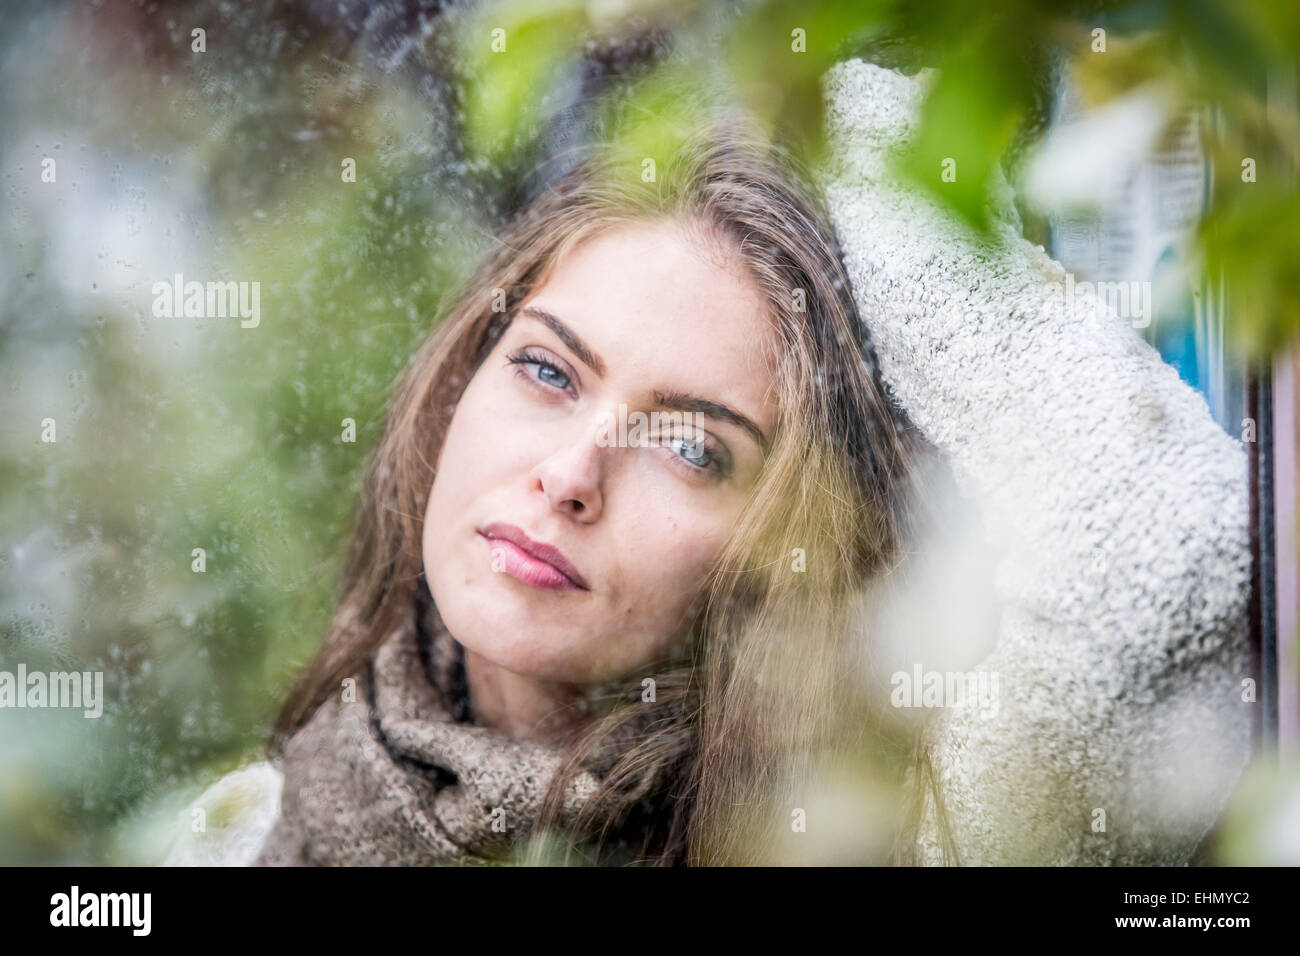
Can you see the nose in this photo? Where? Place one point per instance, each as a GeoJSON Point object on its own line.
{"type": "Point", "coordinates": [571, 477]}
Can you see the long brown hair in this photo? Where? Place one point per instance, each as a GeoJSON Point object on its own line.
{"type": "Point", "coordinates": [766, 689]}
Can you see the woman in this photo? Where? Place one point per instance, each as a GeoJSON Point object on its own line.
{"type": "Point", "coordinates": [556, 647]}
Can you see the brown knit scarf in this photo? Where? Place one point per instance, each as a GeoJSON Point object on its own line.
{"type": "Point", "coordinates": [394, 778]}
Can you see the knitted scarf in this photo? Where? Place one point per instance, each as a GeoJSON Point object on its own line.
{"type": "Point", "coordinates": [400, 776]}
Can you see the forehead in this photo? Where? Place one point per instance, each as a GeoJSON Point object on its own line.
{"type": "Point", "coordinates": [666, 306]}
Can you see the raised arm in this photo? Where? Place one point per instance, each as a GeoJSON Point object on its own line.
{"type": "Point", "coordinates": [1120, 504]}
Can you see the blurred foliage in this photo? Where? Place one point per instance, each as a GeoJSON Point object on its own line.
{"type": "Point", "coordinates": [512, 57]}
{"type": "Point", "coordinates": [1261, 826]}
{"type": "Point", "coordinates": [176, 434]}
{"type": "Point", "coordinates": [996, 71]}
{"type": "Point", "coordinates": [182, 433]}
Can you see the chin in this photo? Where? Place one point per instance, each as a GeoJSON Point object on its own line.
{"type": "Point", "coordinates": [485, 622]}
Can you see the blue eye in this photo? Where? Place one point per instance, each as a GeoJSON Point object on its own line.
{"type": "Point", "coordinates": [692, 451]}
{"type": "Point", "coordinates": [547, 372]}
{"type": "Point", "coordinates": [699, 457]}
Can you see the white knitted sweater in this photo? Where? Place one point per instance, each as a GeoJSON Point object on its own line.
{"type": "Point", "coordinates": [1116, 505]}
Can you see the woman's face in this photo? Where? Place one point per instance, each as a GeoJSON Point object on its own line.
{"type": "Point", "coordinates": [647, 316]}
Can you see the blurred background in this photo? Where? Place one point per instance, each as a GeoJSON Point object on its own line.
{"type": "Point", "coordinates": [355, 157]}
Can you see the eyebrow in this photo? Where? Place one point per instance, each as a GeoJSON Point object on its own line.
{"type": "Point", "coordinates": [670, 399]}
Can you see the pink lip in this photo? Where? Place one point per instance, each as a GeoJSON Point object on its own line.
{"type": "Point", "coordinates": [540, 565]}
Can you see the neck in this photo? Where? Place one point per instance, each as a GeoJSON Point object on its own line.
{"type": "Point", "coordinates": [521, 707]}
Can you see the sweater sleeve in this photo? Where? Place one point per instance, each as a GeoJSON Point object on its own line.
{"type": "Point", "coordinates": [1119, 506]}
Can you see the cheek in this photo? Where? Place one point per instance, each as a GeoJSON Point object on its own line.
{"type": "Point", "coordinates": [462, 466]}
{"type": "Point", "coordinates": [473, 449]}
{"type": "Point", "coordinates": [669, 568]}
{"type": "Point", "coordinates": [690, 543]}
{"type": "Point", "coordinates": [693, 527]}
